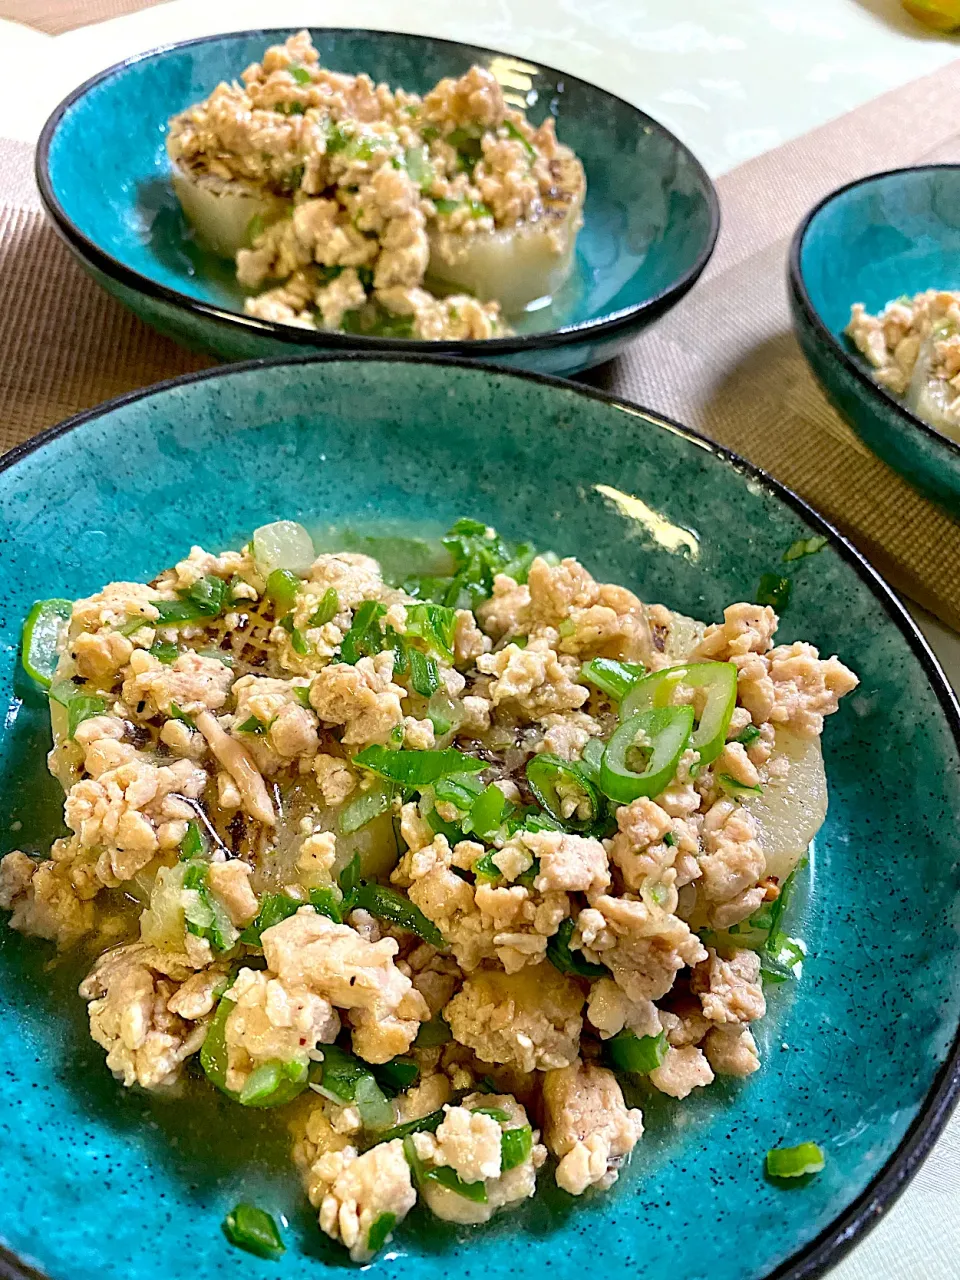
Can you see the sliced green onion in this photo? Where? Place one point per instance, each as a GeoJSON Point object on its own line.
{"type": "Point", "coordinates": [666, 733]}
{"type": "Point", "coordinates": [283, 587]}
{"type": "Point", "coordinates": [433, 1033]}
{"type": "Point", "coordinates": [514, 132]}
{"type": "Point", "coordinates": [364, 807]}
{"type": "Point", "coordinates": [416, 769]}
{"type": "Point", "coordinates": [365, 637]}
{"type": "Point", "coordinates": [774, 591]}
{"type": "Point", "coordinates": [794, 1162]}
{"type": "Point", "coordinates": [515, 1146]}
{"type": "Point", "coordinates": [397, 1074]}
{"type": "Point", "coordinates": [205, 599]}
{"type": "Point", "coordinates": [177, 714]}
{"type": "Point", "coordinates": [375, 1111]}
{"type": "Point", "coordinates": [446, 1177]}
{"type": "Point", "coordinates": [590, 760]}
{"type": "Point", "coordinates": [164, 651]}
{"type": "Point", "coordinates": [495, 1113]}
{"type": "Point", "coordinates": [387, 904]}
{"type": "Point", "coordinates": [670, 839]}
{"type": "Point", "coordinates": [297, 639]}
{"type": "Point", "coordinates": [417, 162]}
{"type": "Point", "coordinates": [461, 790]}
{"type": "Point", "coordinates": [192, 845]}
{"type": "Point", "coordinates": [205, 915]}
{"type": "Point", "coordinates": [639, 1054]}
{"type": "Point", "coordinates": [487, 813]}
{"type": "Point", "coordinates": [613, 678]}
{"type": "Point", "coordinates": [425, 1124]}
{"type": "Point", "coordinates": [554, 781]}
{"type": "Point", "coordinates": [561, 957]}
{"type": "Point", "coordinates": [805, 547]}
{"type": "Point", "coordinates": [80, 706]}
{"type": "Point", "coordinates": [254, 1230]}
{"type": "Point", "coordinates": [280, 906]}
{"type": "Point", "coordinates": [769, 915]}
{"type": "Point", "coordinates": [213, 1051]}
{"type": "Point", "coordinates": [781, 958]}
{"type": "Point", "coordinates": [300, 74]}
{"type": "Point", "coordinates": [748, 736]}
{"type": "Point", "coordinates": [327, 609]}
{"type": "Point", "coordinates": [717, 679]}
{"type": "Point", "coordinates": [302, 694]}
{"type": "Point", "coordinates": [252, 725]}
{"type": "Point", "coordinates": [380, 1230]}
{"type": "Point", "coordinates": [43, 631]}
{"type": "Point", "coordinates": [274, 1084]}
{"type": "Point", "coordinates": [435, 624]}
{"type": "Point", "coordinates": [734, 787]}
{"type": "Point", "coordinates": [424, 673]}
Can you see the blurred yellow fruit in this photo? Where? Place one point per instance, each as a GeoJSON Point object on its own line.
{"type": "Point", "coordinates": [942, 15]}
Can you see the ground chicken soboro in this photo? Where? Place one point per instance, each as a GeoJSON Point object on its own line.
{"type": "Point", "coordinates": [380, 868]}
{"type": "Point", "coordinates": [351, 206]}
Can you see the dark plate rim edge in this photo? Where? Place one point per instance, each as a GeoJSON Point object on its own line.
{"type": "Point", "coordinates": [852, 1224]}
{"type": "Point", "coordinates": [803, 300]}
{"type": "Point", "coordinates": [112, 267]}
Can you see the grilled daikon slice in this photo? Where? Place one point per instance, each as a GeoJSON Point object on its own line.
{"type": "Point", "coordinates": [791, 811]}
{"type": "Point", "coordinates": [222, 212]}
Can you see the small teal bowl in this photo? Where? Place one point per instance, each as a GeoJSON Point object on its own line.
{"type": "Point", "coordinates": [860, 1056]}
{"type": "Point", "coordinates": [869, 242]}
{"type": "Point", "coordinates": [650, 222]}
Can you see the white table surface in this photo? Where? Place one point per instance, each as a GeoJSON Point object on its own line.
{"type": "Point", "coordinates": [733, 78]}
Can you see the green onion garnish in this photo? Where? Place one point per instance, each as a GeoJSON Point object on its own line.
{"type": "Point", "coordinates": [495, 1113]}
{"type": "Point", "coordinates": [164, 651]}
{"type": "Point", "coordinates": [424, 673]}
{"type": "Point", "coordinates": [80, 706]}
{"type": "Point", "coordinates": [387, 904]}
{"type": "Point", "coordinates": [805, 547]}
{"type": "Point", "coordinates": [663, 733]}
{"type": "Point", "coordinates": [554, 781]}
{"type": "Point", "coordinates": [416, 769]}
{"type": "Point", "coordinates": [433, 1033]}
{"type": "Point", "coordinates": [794, 1162]}
{"type": "Point", "coordinates": [283, 588]}
{"type": "Point", "coordinates": [380, 1230]}
{"type": "Point", "coordinates": [561, 957]}
{"type": "Point", "coordinates": [397, 1074]}
{"type": "Point", "coordinates": [445, 1176]}
{"type": "Point", "coordinates": [733, 787]}
{"type": "Point", "coordinates": [328, 608]}
{"type": "Point", "coordinates": [254, 1229]}
{"type": "Point", "coordinates": [364, 808]}
{"type": "Point", "coordinates": [177, 714]}
{"type": "Point", "coordinates": [613, 678]}
{"type": "Point", "coordinates": [748, 736]}
{"type": "Point", "coordinates": [775, 591]}
{"type": "Point", "coordinates": [300, 74]}
{"type": "Point", "coordinates": [639, 1054]}
{"type": "Point", "coordinates": [192, 845]}
{"type": "Point", "coordinates": [515, 1146]}
{"type": "Point", "coordinates": [252, 725]}
{"type": "Point", "coordinates": [425, 1124]}
{"type": "Point", "coordinates": [279, 906]}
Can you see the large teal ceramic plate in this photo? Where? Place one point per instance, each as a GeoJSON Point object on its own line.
{"type": "Point", "coordinates": [861, 1056]}
{"type": "Point", "coordinates": [650, 221]}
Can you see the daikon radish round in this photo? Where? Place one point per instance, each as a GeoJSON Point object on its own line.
{"type": "Point", "coordinates": [930, 397]}
{"type": "Point", "coordinates": [791, 812]}
{"type": "Point", "coordinates": [515, 266]}
{"type": "Point", "coordinates": [221, 211]}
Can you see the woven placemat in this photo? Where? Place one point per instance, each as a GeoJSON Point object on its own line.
{"type": "Point", "coordinates": [723, 361]}
{"type": "Point", "coordinates": [56, 16]}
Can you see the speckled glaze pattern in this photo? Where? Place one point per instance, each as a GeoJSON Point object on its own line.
{"type": "Point", "coordinates": [870, 242]}
{"type": "Point", "coordinates": [860, 1056]}
{"type": "Point", "coordinates": [651, 215]}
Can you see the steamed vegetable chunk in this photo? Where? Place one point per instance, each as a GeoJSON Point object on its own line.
{"type": "Point", "coordinates": [354, 207]}
{"type": "Point", "coordinates": [425, 867]}
{"type": "Point", "coordinates": [913, 346]}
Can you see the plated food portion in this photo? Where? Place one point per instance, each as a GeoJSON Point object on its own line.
{"type": "Point", "coordinates": [437, 863]}
{"type": "Point", "coordinates": [353, 206]}
{"type": "Point", "coordinates": [913, 346]}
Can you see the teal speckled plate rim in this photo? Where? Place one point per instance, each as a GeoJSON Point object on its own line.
{"type": "Point", "coordinates": [802, 298]}
{"type": "Point", "coordinates": [863, 1213]}
{"type": "Point", "coordinates": [117, 270]}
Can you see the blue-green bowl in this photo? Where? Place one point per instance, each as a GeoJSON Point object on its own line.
{"type": "Point", "coordinates": [869, 242]}
{"type": "Point", "coordinates": [860, 1056]}
{"type": "Point", "coordinates": [651, 215]}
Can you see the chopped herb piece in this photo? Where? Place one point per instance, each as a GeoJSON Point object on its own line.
{"type": "Point", "coordinates": [557, 784]}
{"type": "Point", "coordinates": [177, 714]}
{"type": "Point", "coordinates": [387, 904]}
{"type": "Point", "coordinates": [775, 591]}
{"type": "Point", "coordinates": [80, 706]}
{"type": "Point", "coordinates": [164, 651]}
{"type": "Point", "coordinates": [193, 844]}
{"type": "Point", "coordinates": [252, 725]}
{"type": "Point", "coordinates": [376, 1112]}
{"type": "Point", "coordinates": [297, 640]}
{"type": "Point", "coordinates": [416, 769]}
{"type": "Point", "coordinates": [458, 789]}
{"type": "Point", "coordinates": [487, 813]}
{"type": "Point", "coordinates": [397, 1074]}
{"type": "Point", "coordinates": [255, 228]}
{"type": "Point", "coordinates": [300, 74]}
{"type": "Point", "coordinates": [794, 1162]}
{"type": "Point", "coordinates": [290, 108]}
{"type": "Point", "coordinates": [446, 206]}
{"type": "Point", "coordinates": [567, 961]}
{"type": "Point", "coordinates": [495, 1113]}
{"type": "Point", "coordinates": [748, 735]}
{"type": "Point", "coordinates": [718, 680]}
{"type": "Point", "coordinates": [364, 808]}
{"type": "Point", "coordinates": [349, 879]}
{"type": "Point", "coordinates": [273, 1084]}
{"type": "Point", "coordinates": [805, 547]}
{"type": "Point", "coordinates": [435, 624]}
{"type": "Point", "coordinates": [670, 839]}
{"type": "Point", "coordinates": [514, 132]}
{"type": "Point", "coordinates": [639, 1054]}
{"type": "Point", "coordinates": [424, 673]}
{"type": "Point", "coordinates": [327, 608]}
{"type": "Point", "coordinates": [254, 1229]}
{"type": "Point", "coordinates": [205, 599]}
{"type": "Point", "coordinates": [662, 734]}
{"type": "Point", "coordinates": [283, 587]}
{"type": "Point", "coordinates": [733, 787]}
{"type": "Point", "coordinates": [781, 957]}
{"type": "Point", "coordinates": [515, 1146]}
{"type": "Point", "coordinates": [432, 1033]}
{"type": "Point", "coordinates": [445, 1176]}
{"type": "Point", "coordinates": [425, 1124]}
{"type": "Point", "coordinates": [365, 637]}
{"type": "Point", "coordinates": [278, 906]}
{"type": "Point", "coordinates": [302, 694]}
{"type": "Point", "coordinates": [418, 166]}
{"type": "Point", "coordinates": [380, 1230]}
